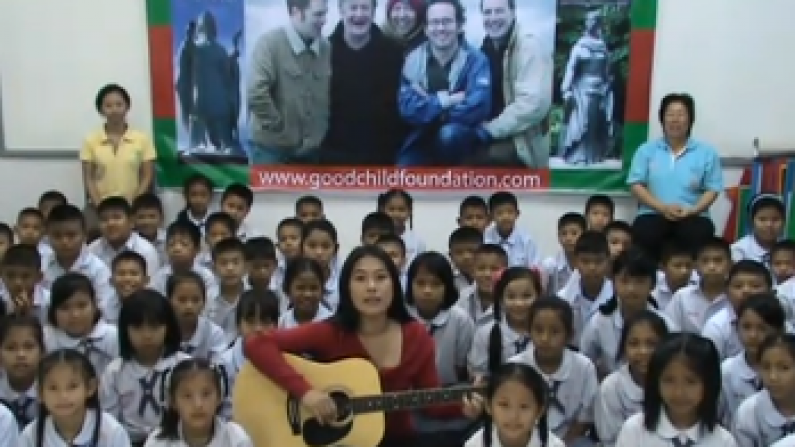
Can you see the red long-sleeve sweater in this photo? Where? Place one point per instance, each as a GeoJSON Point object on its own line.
{"type": "Point", "coordinates": [327, 342]}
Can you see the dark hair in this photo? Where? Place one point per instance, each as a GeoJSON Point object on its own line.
{"type": "Point", "coordinates": [679, 98]}
{"type": "Point", "coordinates": [22, 256]}
{"type": "Point", "coordinates": [510, 275]}
{"type": "Point", "coordinates": [378, 221]}
{"type": "Point", "coordinates": [148, 201]}
{"type": "Point", "coordinates": [635, 264]}
{"type": "Point", "coordinates": [257, 305]}
{"type": "Point", "coordinates": [229, 245]}
{"type": "Point", "coordinates": [308, 201]}
{"type": "Point", "coordinates": [572, 219]}
{"type": "Point", "coordinates": [108, 90]}
{"type": "Point", "coordinates": [715, 243]}
{"type": "Point", "coordinates": [197, 180]}
{"type": "Point", "coordinates": [298, 266]}
{"type": "Point", "coordinates": [66, 214]}
{"type": "Point", "coordinates": [385, 197]}
{"type": "Point", "coordinates": [187, 229]}
{"type": "Point", "coordinates": [600, 200]}
{"type": "Point", "coordinates": [346, 316]}
{"type": "Point", "coordinates": [784, 245]}
{"type": "Point", "coordinates": [655, 321]}
{"type": "Point", "coordinates": [151, 308]}
{"type": "Point", "coordinates": [765, 201]}
{"type": "Point", "coordinates": [767, 307]}
{"type": "Point", "coordinates": [675, 248]}
{"type": "Point", "coordinates": [620, 226]}
{"type": "Point", "coordinates": [30, 212]}
{"type": "Point", "coordinates": [129, 256]}
{"type": "Point", "coordinates": [460, 13]}
{"type": "Point", "coordinates": [5, 230]}
{"type": "Point", "coordinates": [702, 358]}
{"type": "Point", "coordinates": [437, 265]}
{"type": "Point", "coordinates": [473, 202]}
{"type": "Point", "coordinates": [240, 191]}
{"type": "Point", "coordinates": [79, 362]}
{"type": "Point", "coordinates": [169, 423]}
{"type": "Point", "coordinates": [502, 197]}
{"type": "Point", "coordinates": [290, 222]}
{"type": "Point", "coordinates": [492, 249]}
{"type": "Point", "coordinates": [17, 321]}
{"type": "Point", "coordinates": [223, 219]}
{"type": "Point", "coordinates": [535, 383]}
{"type": "Point", "coordinates": [465, 235]}
{"type": "Point", "coordinates": [750, 267]}
{"type": "Point", "coordinates": [392, 238]}
{"type": "Point", "coordinates": [114, 203]}
{"type": "Point", "coordinates": [64, 288]}
{"type": "Point", "coordinates": [53, 196]}
{"type": "Point", "coordinates": [592, 243]}
{"type": "Point", "coordinates": [260, 249]}
{"type": "Point", "coordinates": [321, 225]}
{"type": "Point", "coordinates": [190, 277]}
{"type": "Point", "coordinates": [779, 339]}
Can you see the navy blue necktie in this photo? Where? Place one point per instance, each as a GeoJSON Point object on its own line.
{"type": "Point", "coordinates": [20, 408]}
{"type": "Point", "coordinates": [521, 344]}
{"type": "Point", "coordinates": [787, 429]}
{"type": "Point", "coordinates": [148, 398]}
{"type": "Point", "coordinates": [554, 401]}
{"type": "Point", "coordinates": [677, 442]}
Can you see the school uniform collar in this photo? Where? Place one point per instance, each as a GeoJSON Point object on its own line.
{"type": "Point", "coordinates": [562, 263]}
{"type": "Point", "coordinates": [511, 240]}
{"type": "Point", "coordinates": [238, 357]}
{"type": "Point", "coordinates": [219, 434]}
{"type": "Point", "coordinates": [97, 334]}
{"type": "Point", "coordinates": [743, 370]}
{"type": "Point", "coordinates": [439, 320]}
{"type": "Point", "coordinates": [86, 435]}
{"type": "Point", "coordinates": [618, 318]}
{"type": "Point", "coordinates": [605, 293]}
{"type": "Point", "coordinates": [631, 390]}
{"type": "Point", "coordinates": [535, 439]}
{"type": "Point", "coordinates": [768, 411]}
{"type": "Point", "coordinates": [666, 429]}
{"type": "Point", "coordinates": [82, 262]}
{"type": "Point", "coordinates": [564, 370]}
{"type": "Point", "coordinates": [130, 244]}
{"type": "Point", "coordinates": [6, 390]}
{"type": "Point", "coordinates": [195, 340]}
{"type": "Point", "coordinates": [198, 221]}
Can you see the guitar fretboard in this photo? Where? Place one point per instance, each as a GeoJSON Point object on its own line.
{"type": "Point", "coordinates": [407, 400]}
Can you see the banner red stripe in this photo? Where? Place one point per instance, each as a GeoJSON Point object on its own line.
{"type": "Point", "coordinates": [641, 61]}
{"type": "Point", "coordinates": [161, 66]}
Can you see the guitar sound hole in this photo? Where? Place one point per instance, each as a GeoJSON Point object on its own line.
{"type": "Point", "coordinates": [341, 401]}
{"type": "Point", "coordinates": [316, 434]}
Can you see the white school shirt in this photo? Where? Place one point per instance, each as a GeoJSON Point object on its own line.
{"type": "Point", "coordinates": [721, 328]}
{"type": "Point", "coordinates": [602, 335]}
{"type": "Point", "coordinates": [635, 434]}
{"type": "Point", "coordinates": [287, 319]}
{"type": "Point", "coordinates": [513, 343]}
{"type": "Point", "coordinates": [135, 243]}
{"type": "Point", "coordinates": [90, 266]}
{"type": "Point", "coordinates": [160, 279]}
{"type": "Point", "coordinates": [662, 292]}
{"type": "Point", "coordinates": [738, 382]}
{"type": "Point", "coordinates": [101, 345]}
{"type": "Point", "coordinates": [45, 249]}
{"type": "Point", "coordinates": [470, 303]}
{"type": "Point", "coordinates": [205, 259]}
{"type": "Point", "coordinates": [758, 423]}
{"type": "Point", "coordinates": [689, 309]}
{"type": "Point", "coordinates": [535, 441]}
{"type": "Point", "coordinates": [231, 361]}
{"type": "Point", "coordinates": [582, 307]}
{"type": "Point", "coordinates": [207, 342]}
{"type": "Point", "coordinates": [556, 272]}
{"type": "Point", "coordinates": [522, 251]}
{"type": "Point", "coordinates": [41, 301]}
{"type": "Point", "coordinates": [245, 232]}
{"type": "Point", "coordinates": [789, 441]}
{"type": "Point", "coordinates": [134, 394]}
{"type": "Point", "coordinates": [159, 242]}
{"type": "Point", "coordinates": [786, 294]}
{"type": "Point", "coordinates": [9, 431]}
{"type": "Point", "coordinates": [572, 388]}
{"type": "Point", "coordinates": [111, 433]}
{"type": "Point", "coordinates": [225, 434]}
{"type": "Point", "coordinates": [222, 312]}
{"type": "Point", "coordinates": [619, 398]}
{"type": "Point", "coordinates": [24, 406]}
{"type": "Point", "coordinates": [414, 245]}
{"type": "Point", "coordinates": [748, 248]}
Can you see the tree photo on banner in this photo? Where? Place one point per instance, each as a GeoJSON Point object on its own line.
{"type": "Point", "coordinates": [429, 95]}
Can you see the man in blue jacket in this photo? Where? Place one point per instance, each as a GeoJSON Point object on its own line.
{"type": "Point", "coordinates": [445, 92]}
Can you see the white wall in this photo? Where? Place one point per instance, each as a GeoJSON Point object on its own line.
{"type": "Point", "coordinates": [435, 218]}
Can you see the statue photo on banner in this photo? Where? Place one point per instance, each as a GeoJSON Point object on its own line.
{"type": "Point", "coordinates": [416, 94]}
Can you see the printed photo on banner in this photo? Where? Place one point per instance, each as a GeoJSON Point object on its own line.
{"type": "Point", "coordinates": [415, 94]}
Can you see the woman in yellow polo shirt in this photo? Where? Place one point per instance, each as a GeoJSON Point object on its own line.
{"type": "Point", "coordinates": [117, 160]}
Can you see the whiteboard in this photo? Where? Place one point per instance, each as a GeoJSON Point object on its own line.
{"type": "Point", "coordinates": [735, 57]}
{"type": "Point", "coordinates": [54, 57]}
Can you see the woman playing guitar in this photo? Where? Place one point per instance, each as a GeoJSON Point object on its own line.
{"type": "Point", "coordinates": [371, 322]}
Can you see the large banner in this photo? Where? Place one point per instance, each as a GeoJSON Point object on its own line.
{"type": "Point", "coordinates": [415, 94]}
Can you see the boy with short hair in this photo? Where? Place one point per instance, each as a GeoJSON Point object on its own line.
{"type": "Point", "coordinates": [219, 226]}
{"type": "Point", "coordinates": [394, 246]}
{"type": "Point", "coordinates": [782, 260]}
{"type": "Point", "coordinates": [518, 245]}
{"type": "Point", "coordinates": [375, 225]}
{"type": "Point", "coordinates": [237, 200]}
{"type": "Point", "coordinates": [589, 286]}
{"type": "Point", "coordinates": [556, 270]}
{"type": "Point", "coordinates": [128, 275]}
{"type": "Point", "coordinates": [693, 305]}
{"type": "Point", "coordinates": [229, 261]}
{"type": "Point", "coordinates": [30, 230]}
{"type": "Point", "coordinates": [67, 232]}
{"type": "Point", "coordinates": [20, 269]}
{"type": "Point", "coordinates": [478, 299]}
{"type": "Point", "coordinates": [148, 218]}
{"type": "Point", "coordinates": [619, 237]}
{"type": "Point", "coordinates": [6, 238]}
{"type": "Point", "coordinates": [462, 245]}
{"type": "Point", "coordinates": [288, 237]}
{"type": "Point", "coordinates": [309, 208]}
{"type": "Point", "coordinates": [473, 212]}
{"type": "Point", "coordinates": [261, 263]}
{"type": "Point", "coordinates": [49, 200]}
{"type": "Point", "coordinates": [116, 227]}
{"type": "Point", "coordinates": [183, 240]}
{"type": "Point", "coordinates": [599, 211]}
{"type": "Point", "coordinates": [198, 194]}
{"type": "Point", "coordinates": [676, 272]}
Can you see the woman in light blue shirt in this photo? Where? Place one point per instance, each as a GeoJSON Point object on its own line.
{"type": "Point", "coordinates": [675, 179]}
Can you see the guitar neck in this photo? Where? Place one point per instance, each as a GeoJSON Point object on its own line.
{"type": "Point", "coordinates": [407, 400]}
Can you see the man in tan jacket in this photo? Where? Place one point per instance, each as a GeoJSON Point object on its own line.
{"type": "Point", "coordinates": [521, 72]}
{"type": "Point", "coordinates": [288, 87]}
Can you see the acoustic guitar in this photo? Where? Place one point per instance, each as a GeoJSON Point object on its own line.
{"type": "Point", "coordinates": [273, 418]}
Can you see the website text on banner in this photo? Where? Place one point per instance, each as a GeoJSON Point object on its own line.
{"type": "Point", "coordinates": [339, 95]}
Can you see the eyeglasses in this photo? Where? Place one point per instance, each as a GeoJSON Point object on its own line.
{"type": "Point", "coordinates": [441, 23]}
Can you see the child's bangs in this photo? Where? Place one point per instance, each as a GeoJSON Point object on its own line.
{"type": "Point", "coordinates": [147, 313]}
